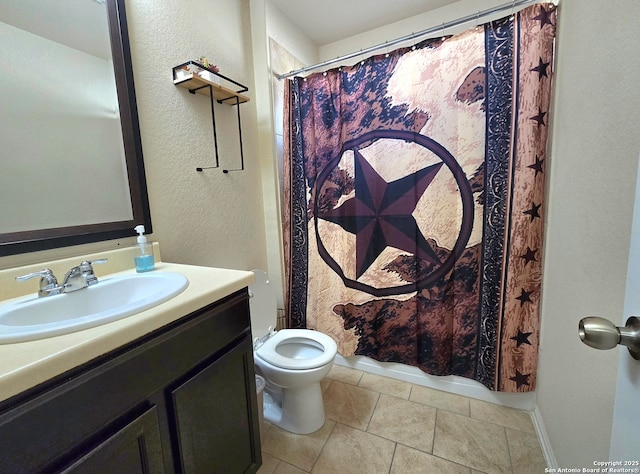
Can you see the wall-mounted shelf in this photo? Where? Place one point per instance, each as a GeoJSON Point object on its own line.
{"type": "Point", "coordinates": [198, 79]}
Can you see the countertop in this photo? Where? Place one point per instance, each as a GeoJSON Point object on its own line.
{"type": "Point", "coordinates": [27, 364]}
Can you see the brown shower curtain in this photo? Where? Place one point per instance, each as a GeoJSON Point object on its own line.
{"type": "Point", "coordinates": [414, 191]}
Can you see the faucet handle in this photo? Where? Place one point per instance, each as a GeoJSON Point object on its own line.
{"type": "Point", "coordinates": [86, 265]}
{"type": "Point", "coordinates": [45, 274]}
{"type": "Point", "coordinates": [86, 268]}
{"type": "Point", "coordinates": [48, 282]}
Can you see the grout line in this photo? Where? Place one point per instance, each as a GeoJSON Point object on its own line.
{"type": "Point", "coordinates": [366, 430]}
{"type": "Point", "coordinates": [393, 457]}
{"type": "Point", "coordinates": [335, 423]}
{"type": "Point", "coordinates": [435, 428]}
{"type": "Point", "coordinates": [506, 437]}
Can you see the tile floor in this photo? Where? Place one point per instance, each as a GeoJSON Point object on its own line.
{"type": "Point", "coordinates": [381, 425]}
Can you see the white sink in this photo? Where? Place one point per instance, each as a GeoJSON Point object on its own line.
{"type": "Point", "coordinates": [112, 298]}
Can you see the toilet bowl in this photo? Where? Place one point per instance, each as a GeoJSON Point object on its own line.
{"type": "Point", "coordinates": [292, 361]}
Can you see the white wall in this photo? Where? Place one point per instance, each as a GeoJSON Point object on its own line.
{"type": "Point", "coordinates": [415, 24]}
{"type": "Point", "coordinates": [595, 149]}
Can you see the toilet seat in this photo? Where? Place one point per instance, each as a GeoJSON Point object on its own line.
{"type": "Point", "coordinates": [269, 350]}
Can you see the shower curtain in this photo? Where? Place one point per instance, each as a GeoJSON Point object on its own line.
{"type": "Point", "coordinates": [414, 201]}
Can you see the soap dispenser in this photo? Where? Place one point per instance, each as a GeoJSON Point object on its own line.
{"type": "Point", "coordinates": [144, 259]}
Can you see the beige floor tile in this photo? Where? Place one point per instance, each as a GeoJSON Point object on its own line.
{"type": "Point", "coordinates": [298, 450]}
{"type": "Point", "coordinates": [345, 374]}
{"type": "Point", "coordinates": [526, 455]}
{"type": "Point", "coordinates": [439, 399]}
{"type": "Point", "coordinates": [324, 384]}
{"type": "Point", "coordinates": [409, 423]}
{"type": "Point", "coordinates": [393, 387]}
{"type": "Point", "coordinates": [351, 451]}
{"type": "Point", "coordinates": [500, 415]}
{"type": "Point", "coordinates": [269, 464]}
{"type": "Point", "coordinates": [410, 461]}
{"type": "Point", "coordinates": [349, 404]}
{"type": "Point", "coordinates": [470, 442]}
{"type": "Point", "coordinates": [284, 468]}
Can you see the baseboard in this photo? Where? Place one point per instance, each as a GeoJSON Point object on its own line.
{"type": "Point", "coordinates": [545, 444]}
{"type": "Point", "coordinates": [448, 383]}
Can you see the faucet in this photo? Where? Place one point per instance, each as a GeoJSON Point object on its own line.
{"type": "Point", "coordinates": [48, 282]}
{"type": "Point", "coordinates": [77, 278]}
{"type": "Point", "coordinates": [81, 276]}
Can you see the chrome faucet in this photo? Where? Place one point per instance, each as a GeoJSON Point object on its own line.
{"type": "Point", "coordinates": [81, 276]}
{"type": "Point", "coordinates": [48, 282]}
{"type": "Point", "coordinates": [77, 278]}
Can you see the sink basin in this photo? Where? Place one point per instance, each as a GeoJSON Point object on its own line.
{"type": "Point", "coordinates": [112, 298]}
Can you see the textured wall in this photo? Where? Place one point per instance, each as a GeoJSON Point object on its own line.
{"type": "Point", "coordinates": [207, 218]}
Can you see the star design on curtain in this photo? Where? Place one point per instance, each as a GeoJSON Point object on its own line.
{"type": "Point", "coordinates": [520, 379]}
{"type": "Point", "coordinates": [534, 212]}
{"type": "Point", "coordinates": [521, 338]}
{"type": "Point", "coordinates": [539, 119]}
{"type": "Point", "coordinates": [537, 166]}
{"type": "Point", "coordinates": [541, 69]}
{"type": "Point", "coordinates": [544, 17]}
{"type": "Point", "coordinates": [529, 256]}
{"type": "Point", "coordinates": [380, 214]}
{"type": "Point", "coordinates": [525, 297]}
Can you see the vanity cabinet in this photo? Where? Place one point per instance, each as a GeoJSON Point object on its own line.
{"type": "Point", "coordinates": [182, 399]}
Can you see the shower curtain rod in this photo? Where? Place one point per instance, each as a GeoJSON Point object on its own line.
{"type": "Point", "coordinates": [434, 29]}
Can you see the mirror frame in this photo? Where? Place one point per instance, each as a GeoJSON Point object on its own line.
{"type": "Point", "coordinates": [42, 239]}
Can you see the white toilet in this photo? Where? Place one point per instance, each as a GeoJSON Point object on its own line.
{"type": "Point", "coordinates": [293, 361]}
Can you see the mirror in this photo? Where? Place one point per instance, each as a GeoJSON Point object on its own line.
{"type": "Point", "coordinates": [71, 154]}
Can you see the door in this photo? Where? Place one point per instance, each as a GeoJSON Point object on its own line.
{"type": "Point", "coordinates": [625, 433]}
{"type": "Point", "coordinates": [134, 449]}
{"type": "Point", "coordinates": [215, 415]}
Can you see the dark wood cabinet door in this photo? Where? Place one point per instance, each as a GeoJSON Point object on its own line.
{"type": "Point", "coordinates": [136, 448]}
{"type": "Point", "coordinates": [214, 414]}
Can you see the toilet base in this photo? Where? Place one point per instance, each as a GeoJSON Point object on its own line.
{"type": "Point", "coordinates": [299, 411]}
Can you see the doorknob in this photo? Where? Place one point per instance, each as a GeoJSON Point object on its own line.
{"type": "Point", "coordinates": [601, 333]}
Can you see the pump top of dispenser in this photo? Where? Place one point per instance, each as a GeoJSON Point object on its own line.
{"type": "Point", "coordinates": [142, 239]}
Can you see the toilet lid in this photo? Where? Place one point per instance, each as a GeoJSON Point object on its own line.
{"type": "Point", "coordinates": [269, 351]}
{"type": "Point", "coordinates": [262, 305]}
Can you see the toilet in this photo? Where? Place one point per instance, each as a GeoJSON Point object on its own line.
{"type": "Point", "coordinates": [292, 361]}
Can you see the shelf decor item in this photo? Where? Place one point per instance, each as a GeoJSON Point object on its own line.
{"type": "Point", "coordinates": [196, 77]}
{"type": "Point", "coordinates": [204, 78]}
{"type": "Point", "coordinates": [201, 68]}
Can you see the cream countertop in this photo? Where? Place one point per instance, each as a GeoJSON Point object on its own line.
{"type": "Point", "coordinates": [26, 364]}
